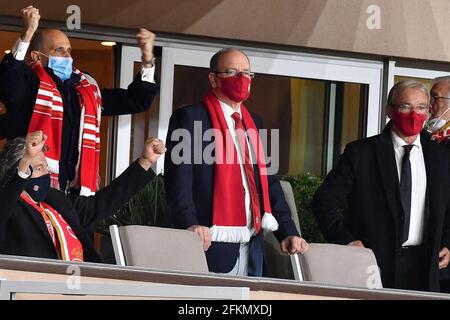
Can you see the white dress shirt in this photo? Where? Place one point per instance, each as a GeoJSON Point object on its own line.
{"type": "Point", "coordinates": [24, 175]}
{"type": "Point", "coordinates": [20, 49]}
{"type": "Point", "coordinates": [418, 188]}
{"type": "Point", "coordinates": [228, 112]}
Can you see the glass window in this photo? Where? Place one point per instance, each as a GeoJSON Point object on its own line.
{"type": "Point", "coordinates": [145, 124]}
{"type": "Point", "coordinates": [427, 82]}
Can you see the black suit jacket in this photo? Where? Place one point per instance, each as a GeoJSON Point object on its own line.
{"type": "Point", "coordinates": [23, 231]}
{"type": "Point", "coordinates": [365, 184]}
{"type": "Point", "coordinates": [19, 85]}
{"type": "Point", "coordinates": [190, 187]}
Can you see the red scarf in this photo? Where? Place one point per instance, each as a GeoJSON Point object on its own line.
{"type": "Point", "coordinates": [48, 117]}
{"type": "Point", "coordinates": [67, 245]}
{"type": "Point", "coordinates": [442, 134]}
{"type": "Point", "coordinates": [229, 212]}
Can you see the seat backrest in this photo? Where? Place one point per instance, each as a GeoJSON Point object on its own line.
{"type": "Point", "coordinates": [340, 265]}
{"type": "Point", "coordinates": [278, 264]}
{"type": "Point", "coordinates": [162, 248]}
{"type": "Point", "coordinates": [289, 197]}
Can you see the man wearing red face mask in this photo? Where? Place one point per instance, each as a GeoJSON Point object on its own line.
{"type": "Point", "coordinates": [226, 203]}
{"type": "Point", "coordinates": [395, 187]}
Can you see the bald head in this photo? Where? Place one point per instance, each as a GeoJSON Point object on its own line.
{"type": "Point", "coordinates": [49, 42]}
{"type": "Point", "coordinates": [440, 98]}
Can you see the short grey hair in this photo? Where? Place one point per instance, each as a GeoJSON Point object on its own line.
{"type": "Point", "coordinates": [403, 86]}
{"type": "Point", "coordinates": [13, 151]}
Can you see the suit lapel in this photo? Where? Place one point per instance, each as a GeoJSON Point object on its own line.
{"type": "Point", "coordinates": [65, 209]}
{"type": "Point", "coordinates": [388, 169]}
{"type": "Point", "coordinates": [37, 219]}
{"type": "Point", "coordinates": [432, 167]}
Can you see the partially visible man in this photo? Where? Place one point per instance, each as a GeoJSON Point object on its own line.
{"type": "Point", "coordinates": [439, 123]}
{"type": "Point", "coordinates": [226, 203]}
{"type": "Point", "coordinates": [396, 190]}
{"type": "Point", "coordinates": [51, 95]}
{"type": "Point", "coordinates": [439, 127]}
{"type": "Point", "coordinates": [39, 221]}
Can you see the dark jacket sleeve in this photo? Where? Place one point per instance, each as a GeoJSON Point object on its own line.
{"type": "Point", "coordinates": [331, 198]}
{"type": "Point", "coordinates": [111, 198]}
{"type": "Point", "coordinates": [280, 208]}
{"type": "Point", "coordinates": [446, 228]}
{"type": "Point", "coordinates": [137, 98]}
{"type": "Point", "coordinates": [178, 177]}
{"type": "Point", "coordinates": [3, 126]}
{"type": "Point", "coordinates": [16, 80]}
{"type": "Point", "coordinates": [11, 187]}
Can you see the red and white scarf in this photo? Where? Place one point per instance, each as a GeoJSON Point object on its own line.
{"type": "Point", "coordinates": [48, 117]}
{"type": "Point", "coordinates": [229, 212]}
{"type": "Point", "coordinates": [67, 245]}
{"type": "Point", "coordinates": [442, 134]}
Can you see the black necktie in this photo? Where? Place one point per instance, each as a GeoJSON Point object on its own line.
{"type": "Point", "coordinates": [405, 191]}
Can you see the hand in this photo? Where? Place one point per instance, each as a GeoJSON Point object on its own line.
{"type": "Point", "coordinates": [153, 149]}
{"type": "Point", "coordinates": [145, 40]}
{"type": "Point", "coordinates": [356, 243]}
{"type": "Point", "coordinates": [444, 258]}
{"type": "Point", "coordinates": [204, 235]}
{"type": "Point", "coordinates": [294, 244]}
{"type": "Point", "coordinates": [34, 143]}
{"type": "Point", "coordinates": [31, 18]}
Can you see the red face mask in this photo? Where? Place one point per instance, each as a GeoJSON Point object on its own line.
{"type": "Point", "coordinates": [236, 88]}
{"type": "Point", "coordinates": [410, 124]}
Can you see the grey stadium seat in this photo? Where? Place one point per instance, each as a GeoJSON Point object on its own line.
{"type": "Point", "coordinates": [340, 265]}
{"type": "Point", "coordinates": [158, 248]}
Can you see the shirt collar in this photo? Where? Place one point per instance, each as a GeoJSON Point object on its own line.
{"type": "Point", "coordinates": [399, 142]}
{"type": "Point", "coordinates": [228, 110]}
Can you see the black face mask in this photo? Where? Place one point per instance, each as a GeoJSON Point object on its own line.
{"type": "Point", "coordinates": [38, 188]}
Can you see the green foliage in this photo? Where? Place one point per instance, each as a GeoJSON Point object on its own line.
{"type": "Point", "coordinates": [148, 207]}
{"type": "Point", "coordinates": [304, 187]}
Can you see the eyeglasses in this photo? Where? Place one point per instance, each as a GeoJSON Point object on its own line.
{"type": "Point", "coordinates": [406, 108]}
{"type": "Point", "coordinates": [235, 73]}
{"type": "Point", "coordinates": [433, 98]}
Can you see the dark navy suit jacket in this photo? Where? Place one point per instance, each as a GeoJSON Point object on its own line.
{"type": "Point", "coordinates": [190, 187]}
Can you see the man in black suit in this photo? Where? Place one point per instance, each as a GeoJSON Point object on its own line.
{"type": "Point", "coordinates": [227, 203]}
{"type": "Point", "coordinates": [21, 86]}
{"type": "Point", "coordinates": [39, 221]}
{"type": "Point", "coordinates": [394, 189]}
{"type": "Point", "coordinates": [439, 127]}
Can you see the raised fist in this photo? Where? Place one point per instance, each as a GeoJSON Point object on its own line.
{"type": "Point", "coordinates": [145, 40]}
{"type": "Point", "coordinates": [31, 18]}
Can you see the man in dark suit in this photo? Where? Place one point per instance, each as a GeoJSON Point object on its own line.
{"type": "Point", "coordinates": [439, 127]}
{"type": "Point", "coordinates": [48, 83]}
{"type": "Point", "coordinates": [39, 221]}
{"type": "Point", "coordinates": [226, 203]}
{"type": "Point", "coordinates": [394, 189]}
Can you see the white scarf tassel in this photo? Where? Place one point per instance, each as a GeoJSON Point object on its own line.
{"type": "Point", "coordinates": [269, 222]}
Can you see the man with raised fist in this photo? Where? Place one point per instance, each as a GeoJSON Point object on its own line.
{"type": "Point", "coordinates": [49, 94]}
